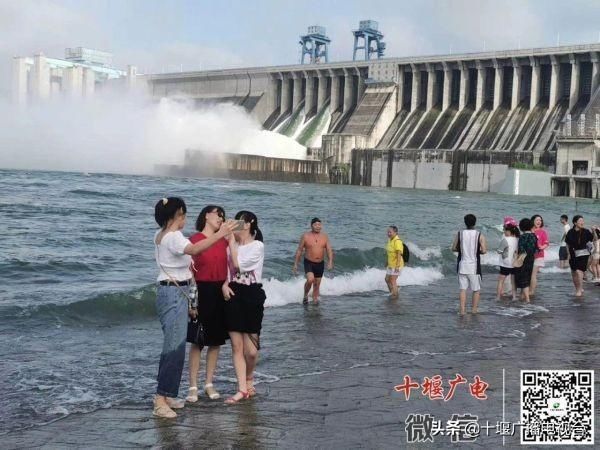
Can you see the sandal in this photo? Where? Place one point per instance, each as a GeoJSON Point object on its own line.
{"type": "Point", "coordinates": [193, 395]}
{"type": "Point", "coordinates": [163, 411]}
{"type": "Point", "coordinates": [251, 388]}
{"type": "Point", "coordinates": [175, 403]}
{"type": "Point", "coordinates": [211, 391]}
{"type": "Point", "coordinates": [232, 400]}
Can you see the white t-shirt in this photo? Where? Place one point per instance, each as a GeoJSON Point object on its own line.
{"type": "Point", "coordinates": [169, 254]}
{"type": "Point", "coordinates": [562, 241]}
{"type": "Point", "coordinates": [251, 258]}
{"type": "Point", "coordinates": [509, 243]}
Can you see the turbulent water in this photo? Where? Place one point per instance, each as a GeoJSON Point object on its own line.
{"type": "Point", "coordinates": [77, 319]}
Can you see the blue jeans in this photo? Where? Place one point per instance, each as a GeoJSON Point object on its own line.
{"type": "Point", "coordinates": [172, 309]}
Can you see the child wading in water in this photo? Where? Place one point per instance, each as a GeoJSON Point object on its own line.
{"type": "Point", "coordinates": [507, 249]}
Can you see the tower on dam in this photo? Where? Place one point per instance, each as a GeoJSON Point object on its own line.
{"type": "Point", "coordinates": [315, 44]}
{"type": "Point", "coordinates": [368, 32]}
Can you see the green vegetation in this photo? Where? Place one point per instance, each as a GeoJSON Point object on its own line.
{"type": "Point", "coordinates": [538, 167]}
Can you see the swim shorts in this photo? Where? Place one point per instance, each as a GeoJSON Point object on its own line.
{"type": "Point", "coordinates": [317, 268]}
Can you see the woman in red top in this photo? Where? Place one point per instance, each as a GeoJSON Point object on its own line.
{"type": "Point", "coordinates": [210, 272]}
{"type": "Point", "coordinates": [543, 244]}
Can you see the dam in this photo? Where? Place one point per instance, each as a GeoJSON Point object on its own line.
{"type": "Point", "coordinates": [496, 108]}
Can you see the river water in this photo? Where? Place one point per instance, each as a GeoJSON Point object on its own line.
{"type": "Point", "coordinates": [79, 331]}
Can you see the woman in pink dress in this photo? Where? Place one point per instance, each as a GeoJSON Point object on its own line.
{"type": "Point", "coordinates": [543, 244]}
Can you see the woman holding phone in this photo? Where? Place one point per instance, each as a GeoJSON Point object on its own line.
{"type": "Point", "coordinates": [173, 254]}
{"type": "Point", "coordinates": [244, 301]}
{"type": "Point", "coordinates": [210, 272]}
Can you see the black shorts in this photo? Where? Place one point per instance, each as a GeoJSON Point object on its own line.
{"type": "Point", "coordinates": [563, 253]}
{"type": "Point", "coordinates": [316, 268]}
{"type": "Point", "coordinates": [506, 271]}
{"type": "Point", "coordinates": [579, 263]}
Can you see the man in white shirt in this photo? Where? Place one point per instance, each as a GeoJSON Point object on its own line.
{"type": "Point", "coordinates": [469, 244]}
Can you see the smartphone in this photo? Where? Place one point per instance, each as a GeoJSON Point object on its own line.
{"type": "Point", "coordinates": [239, 225]}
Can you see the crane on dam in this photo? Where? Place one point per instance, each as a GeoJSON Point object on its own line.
{"type": "Point", "coordinates": [315, 44]}
{"type": "Point", "coordinates": [368, 31]}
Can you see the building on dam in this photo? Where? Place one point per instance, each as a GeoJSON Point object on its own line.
{"type": "Point", "coordinates": [82, 71]}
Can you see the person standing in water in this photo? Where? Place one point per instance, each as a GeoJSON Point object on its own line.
{"type": "Point", "coordinates": [577, 242]}
{"type": "Point", "coordinates": [210, 272]}
{"type": "Point", "coordinates": [244, 302]}
{"type": "Point", "coordinates": [470, 245]}
{"type": "Point", "coordinates": [543, 243]}
{"type": "Point", "coordinates": [563, 254]}
{"type": "Point", "coordinates": [507, 249]}
{"type": "Point", "coordinates": [395, 262]}
{"type": "Point", "coordinates": [173, 254]}
{"type": "Point", "coordinates": [315, 244]}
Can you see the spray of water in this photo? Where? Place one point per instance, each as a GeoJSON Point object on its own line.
{"type": "Point", "coordinates": [129, 134]}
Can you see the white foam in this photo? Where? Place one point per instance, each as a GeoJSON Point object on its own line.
{"type": "Point", "coordinates": [424, 254]}
{"type": "Point", "coordinates": [554, 269]}
{"type": "Point", "coordinates": [517, 334]}
{"type": "Point", "coordinates": [281, 293]}
{"type": "Point", "coordinates": [492, 257]}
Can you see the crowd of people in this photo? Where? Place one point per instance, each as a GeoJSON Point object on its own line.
{"type": "Point", "coordinates": [522, 254]}
{"type": "Point", "coordinates": [214, 278]}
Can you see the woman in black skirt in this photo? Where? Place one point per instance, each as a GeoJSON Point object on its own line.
{"type": "Point", "coordinates": [528, 245]}
{"type": "Point", "coordinates": [244, 302]}
{"type": "Point", "coordinates": [210, 272]}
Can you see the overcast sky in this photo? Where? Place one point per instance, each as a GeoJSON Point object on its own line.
{"type": "Point", "coordinates": [168, 34]}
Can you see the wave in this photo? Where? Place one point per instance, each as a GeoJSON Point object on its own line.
{"type": "Point", "coordinates": [252, 192]}
{"type": "Point", "coordinates": [33, 268]}
{"type": "Point", "coordinates": [349, 259]}
{"type": "Point", "coordinates": [107, 308]}
{"type": "Point", "coordinates": [281, 293]}
{"type": "Point", "coordinates": [119, 307]}
{"type": "Point", "coordinates": [89, 193]}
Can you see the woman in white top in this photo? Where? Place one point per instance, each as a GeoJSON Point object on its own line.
{"type": "Point", "coordinates": [507, 249]}
{"type": "Point", "coordinates": [244, 302]}
{"type": "Point", "coordinates": [173, 257]}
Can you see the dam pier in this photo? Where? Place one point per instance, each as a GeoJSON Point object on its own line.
{"type": "Point", "coordinates": [463, 121]}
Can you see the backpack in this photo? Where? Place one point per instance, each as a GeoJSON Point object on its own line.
{"type": "Point", "coordinates": [405, 253]}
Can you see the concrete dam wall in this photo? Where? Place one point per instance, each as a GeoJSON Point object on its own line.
{"type": "Point", "coordinates": [507, 101]}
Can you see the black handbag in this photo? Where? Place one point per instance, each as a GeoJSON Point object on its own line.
{"type": "Point", "coordinates": [195, 332]}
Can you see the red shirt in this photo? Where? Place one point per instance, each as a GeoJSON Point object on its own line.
{"type": "Point", "coordinates": [542, 238]}
{"type": "Point", "coordinates": [211, 264]}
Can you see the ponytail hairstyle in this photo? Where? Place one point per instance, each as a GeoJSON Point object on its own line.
{"type": "Point", "coordinates": [513, 230]}
{"type": "Point", "coordinates": [251, 218]}
{"type": "Point", "coordinates": [167, 208]}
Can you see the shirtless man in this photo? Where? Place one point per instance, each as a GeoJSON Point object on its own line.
{"type": "Point", "coordinates": [315, 243]}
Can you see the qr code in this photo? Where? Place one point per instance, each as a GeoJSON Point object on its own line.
{"type": "Point", "coordinates": [557, 407]}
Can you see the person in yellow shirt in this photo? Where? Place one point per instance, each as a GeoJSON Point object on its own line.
{"type": "Point", "coordinates": [395, 262]}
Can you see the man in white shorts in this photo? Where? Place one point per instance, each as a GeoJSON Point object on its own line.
{"type": "Point", "coordinates": [469, 244]}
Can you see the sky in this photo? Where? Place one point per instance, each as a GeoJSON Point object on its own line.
{"type": "Point", "coordinates": [169, 35]}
